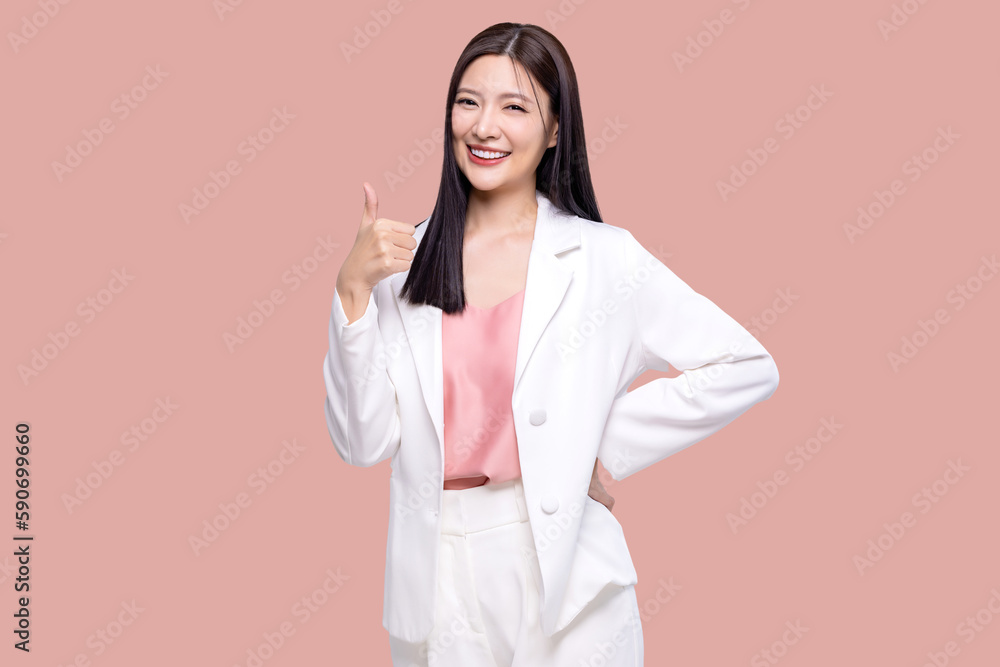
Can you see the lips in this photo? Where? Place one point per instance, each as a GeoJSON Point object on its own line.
{"type": "Point", "coordinates": [488, 150]}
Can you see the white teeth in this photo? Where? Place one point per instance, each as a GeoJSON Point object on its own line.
{"type": "Point", "coordinates": [487, 155]}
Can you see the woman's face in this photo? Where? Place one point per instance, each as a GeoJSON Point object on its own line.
{"type": "Point", "coordinates": [487, 112]}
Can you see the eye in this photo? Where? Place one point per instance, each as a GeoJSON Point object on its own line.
{"type": "Point", "coordinates": [466, 99]}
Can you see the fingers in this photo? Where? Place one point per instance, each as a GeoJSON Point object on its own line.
{"type": "Point", "coordinates": [370, 213]}
{"type": "Point", "coordinates": [401, 232]}
{"type": "Point", "coordinates": [403, 239]}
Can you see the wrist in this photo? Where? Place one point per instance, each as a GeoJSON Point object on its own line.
{"type": "Point", "coordinates": [353, 289]}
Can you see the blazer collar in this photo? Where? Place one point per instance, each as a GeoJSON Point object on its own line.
{"type": "Point", "coordinates": [556, 231]}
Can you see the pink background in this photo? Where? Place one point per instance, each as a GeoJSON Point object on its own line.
{"type": "Point", "coordinates": [680, 132]}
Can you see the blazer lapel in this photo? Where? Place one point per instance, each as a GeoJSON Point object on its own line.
{"type": "Point", "coordinates": [548, 279]}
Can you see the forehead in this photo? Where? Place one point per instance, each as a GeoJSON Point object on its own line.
{"type": "Point", "coordinates": [494, 76]}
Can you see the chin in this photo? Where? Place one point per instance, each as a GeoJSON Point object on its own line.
{"type": "Point", "coordinates": [487, 186]}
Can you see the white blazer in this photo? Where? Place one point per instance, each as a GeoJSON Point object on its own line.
{"type": "Point", "coordinates": [599, 309]}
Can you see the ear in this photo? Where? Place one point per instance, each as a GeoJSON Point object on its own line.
{"type": "Point", "coordinates": [555, 132]}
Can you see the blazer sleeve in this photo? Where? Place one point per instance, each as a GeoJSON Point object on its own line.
{"type": "Point", "coordinates": [362, 409]}
{"type": "Point", "coordinates": [724, 370]}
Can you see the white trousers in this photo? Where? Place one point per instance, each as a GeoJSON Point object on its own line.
{"type": "Point", "coordinates": [489, 582]}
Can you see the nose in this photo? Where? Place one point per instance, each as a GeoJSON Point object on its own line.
{"type": "Point", "coordinates": [486, 124]}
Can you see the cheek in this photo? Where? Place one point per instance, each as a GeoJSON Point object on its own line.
{"type": "Point", "coordinates": [529, 142]}
{"type": "Point", "coordinates": [459, 124]}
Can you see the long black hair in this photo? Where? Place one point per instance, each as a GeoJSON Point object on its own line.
{"type": "Point", "coordinates": [563, 175]}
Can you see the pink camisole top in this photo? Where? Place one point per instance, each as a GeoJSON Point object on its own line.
{"type": "Point", "coordinates": [479, 349]}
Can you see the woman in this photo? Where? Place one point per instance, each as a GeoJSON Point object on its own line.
{"type": "Point", "coordinates": [492, 365]}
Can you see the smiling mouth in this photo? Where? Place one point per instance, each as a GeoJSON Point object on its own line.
{"type": "Point", "coordinates": [494, 156]}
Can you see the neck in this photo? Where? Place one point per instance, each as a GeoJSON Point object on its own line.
{"type": "Point", "coordinates": [501, 213]}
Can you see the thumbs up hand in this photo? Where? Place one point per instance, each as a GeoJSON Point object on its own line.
{"type": "Point", "coordinates": [382, 247]}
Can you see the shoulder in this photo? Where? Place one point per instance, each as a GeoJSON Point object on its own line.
{"type": "Point", "coordinates": [605, 238]}
{"type": "Point", "coordinates": [613, 248]}
{"type": "Point", "coordinates": [604, 231]}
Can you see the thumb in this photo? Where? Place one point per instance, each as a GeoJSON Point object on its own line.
{"type": "Point", "coordinates": [370, 213]}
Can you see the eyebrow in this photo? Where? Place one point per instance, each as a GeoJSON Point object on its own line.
{"type": "Point", "coordinates": [503, 95]}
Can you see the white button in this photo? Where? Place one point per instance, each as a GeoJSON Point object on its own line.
{"type": "Point", "coordinates": [537, 417]}
{"type": "Point", "coordinates": [550, 504]}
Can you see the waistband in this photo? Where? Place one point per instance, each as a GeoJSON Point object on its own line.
{"type": "Point", "coordinates": [482, 507]}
